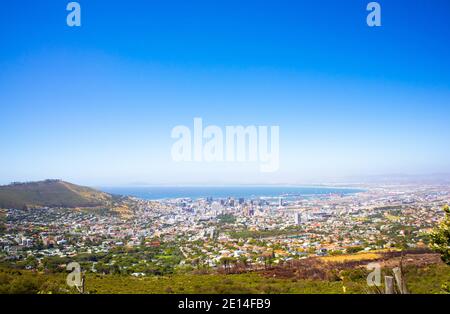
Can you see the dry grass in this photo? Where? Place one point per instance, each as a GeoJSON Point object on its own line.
{"type": "Point", "coordinates": [365, 256]}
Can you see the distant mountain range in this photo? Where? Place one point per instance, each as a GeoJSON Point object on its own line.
{"type": "Point", "coordinates": [51, 193]}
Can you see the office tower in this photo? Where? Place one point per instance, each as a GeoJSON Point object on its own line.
{"type": "Point", "coordinates": [298, 218]}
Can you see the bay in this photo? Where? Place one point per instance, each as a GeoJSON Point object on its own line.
{"type": "Point", "coordinates": [223, 192]}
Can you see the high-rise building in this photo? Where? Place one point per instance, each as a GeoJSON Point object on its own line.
{"type": "Point", "coordinates": [298, 218]}
{"type": "Point", "coordinates": [280, 202]}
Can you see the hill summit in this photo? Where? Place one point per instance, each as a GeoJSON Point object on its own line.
{"type": "Point", "coordinates": [51, 193]}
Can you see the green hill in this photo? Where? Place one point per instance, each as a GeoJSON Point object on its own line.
{"type": "Point", "coordinates": [51, 193]}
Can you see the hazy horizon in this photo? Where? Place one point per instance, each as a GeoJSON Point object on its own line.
{"type": "Point", "coordinates": [435, 178]}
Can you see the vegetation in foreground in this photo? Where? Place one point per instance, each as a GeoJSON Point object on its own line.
{"type": "Point", "coordinates": [422, 279]}
{"type": "Point", "coordinates": [440, 237]}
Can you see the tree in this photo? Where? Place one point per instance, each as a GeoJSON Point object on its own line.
{"type": "Point", "coordinates": [226, 262]}
{"type": "Point", "coordinates": [2, 223]}
{"type": "Point", "coordinates": [31, 261]}
{"type": "Point", "coordinates": [243, 262]}
{"type": "Point", "coordinates": [440, 237]}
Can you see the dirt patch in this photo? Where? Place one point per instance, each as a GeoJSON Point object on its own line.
{"type": "Point", "coordinates": [317, 269]}
{"type": "Point", "coordinates": [418, 260]}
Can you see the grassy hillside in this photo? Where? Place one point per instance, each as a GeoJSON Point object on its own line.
{"type": "Point", "coordinates": [424, 280]}
{"type": "Point", "coordinates": [419, 280]}
{"type": "Point", "coordinates": [50, 193]}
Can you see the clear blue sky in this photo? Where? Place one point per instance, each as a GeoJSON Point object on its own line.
{"type": "Point", "coordinates": [96, 104]}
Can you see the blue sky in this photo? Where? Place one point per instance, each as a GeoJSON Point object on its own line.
{"type": "Point", "coordinates": [96, 104]}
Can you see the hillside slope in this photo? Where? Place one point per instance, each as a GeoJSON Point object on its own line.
{"type": "Point", "coordinates": [51, 193]}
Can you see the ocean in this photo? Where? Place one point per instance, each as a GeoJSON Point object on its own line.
{"type": "Point", "coordinates": [223, 192]}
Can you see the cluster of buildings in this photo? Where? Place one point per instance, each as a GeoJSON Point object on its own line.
{"type": "Point", "coordinates": [209, 231]}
